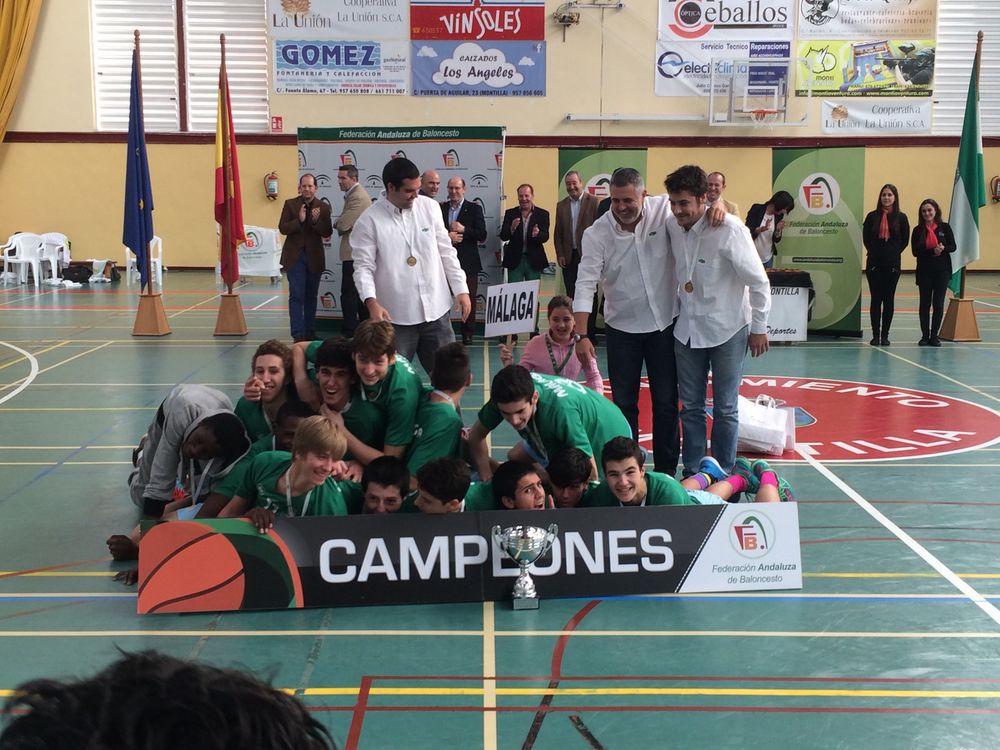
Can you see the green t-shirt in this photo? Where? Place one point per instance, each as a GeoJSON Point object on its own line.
{"type": "Point", "coordinates": [480, 497]}
{"type": "Point", "coordinates": [311, 359]}
{"type": "Point", "coordinates": [260, 486]}
{"type": "Point", "coordinates": [660, 490]}
{"type": "Point", "coordinates": [365, 421]}
{"type": "Point", "coordinates": [251, 414]}
{"type": "Point", "coordinates": [567, 414]}
{"type": "Point", "coordinates": [397, 395]}
{"type": "Point", "coordinates": [437, 432]}
{"type": "Point", "coordinates": [230, 484]}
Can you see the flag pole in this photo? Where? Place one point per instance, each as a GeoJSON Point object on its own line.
{"type": "Point", "coordinates": [960, 322]}
{"type": "Point", "coordinates": [150, 317]}
{"type": "Point", "coordinates": [230, 321]}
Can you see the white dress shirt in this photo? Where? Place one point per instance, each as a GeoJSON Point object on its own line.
{"type": "Point", "coordinates": [640, 289]}
{"type": "Point", "coordinates": [384, 237]}
{"type": "Point", "coordinates": [574, 215]}
{"type": "Point", "coordinates": [731, 287]}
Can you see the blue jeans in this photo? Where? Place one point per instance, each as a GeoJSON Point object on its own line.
{"type": "Point", "coordinates": [726, 364]}
{"type": "Point", "coordinates": [303, 288]}
{"type": "Point", "coordinates": [626, 354]}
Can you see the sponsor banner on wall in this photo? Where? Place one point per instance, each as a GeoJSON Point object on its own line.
{"type": "Point", "coordinates": [876, 116]}
{"type": "Point", "coordinates": [475, 20]}
{"type": "Point", "coordinates": [203, 566]}
{"type": "Point", "coordinates": [788, 317]}
{"type": "Point", "coordinates": [685, 68]}
{"type": "Point", "coordinates": [473, 153]}
{"type": "Point", "coordinates": [478, 69]}
{"type": "Point", "coordinates": [326, 66]}
{"type": "Point", "coordinates": [385, 20]}
{"type": "Point", "coordinates": [885, 67]}
{"type": "Point", "coordinates": [726, 19]}
{"type": "Point", "coordinates": [822, 234]}
{"type": "Point", "coordinates": [861, 19]}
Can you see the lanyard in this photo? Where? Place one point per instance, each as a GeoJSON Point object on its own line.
{"type": "Point", "coordinates": [288, 495]}
{"type": "Point", "coordinates": [201, 479]}
{"type": "Point", "coordinates": [558, 368]}
{"type": "Point", "coordinates": [691, 262]}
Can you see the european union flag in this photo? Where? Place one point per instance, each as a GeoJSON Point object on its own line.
{"type": "Point", "coordinates": [138, 228]}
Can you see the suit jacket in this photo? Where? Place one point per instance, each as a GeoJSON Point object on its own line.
{"type": "Point", "coordinates": [516, 248]}
{"type": "Point", "coordinates": [731, 208]}
{"type": "Point", "coordinates": [563, 233]}
{"type": "Point", "coordinates": [356, 200]}
{"type": "Point", "coordinates": [304, 236]}
{"type": "Point", "coordinates": [471, 216]}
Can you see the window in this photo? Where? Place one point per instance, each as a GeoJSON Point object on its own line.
{"type": "Point", "coordinates": [180, 80]}
{"type": "Point", "coordinates": [958, 23]}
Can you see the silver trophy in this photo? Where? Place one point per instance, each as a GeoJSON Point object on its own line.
{"type": "Point", "coordinates": [524, 545]}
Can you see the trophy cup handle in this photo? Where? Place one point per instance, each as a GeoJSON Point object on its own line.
{"type": "Point", "coordinates": [497, 534]}
{"type": "Point", "coordinates": [550, 536]}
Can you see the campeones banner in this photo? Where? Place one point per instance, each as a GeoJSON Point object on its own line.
{"type": "Point", "coordinates": [472, 153]}
{"type": "Point", "coordinates": [208, 566]}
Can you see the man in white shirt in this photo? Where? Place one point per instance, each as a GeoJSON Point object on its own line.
{"type": "Point", "coordinates": [404, 264]}
{"type": "Point", "coordinates": [627, 249]}
{"type": "Point", "coordinates": [724, 299]}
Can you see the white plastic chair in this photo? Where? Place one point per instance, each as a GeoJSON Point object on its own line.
{"type": "Point", "coordinates": [59, 243]}
{"type": "Point", "coordinates": [25, 250]}
{"type": "Point", "coordinates": [156, 256]}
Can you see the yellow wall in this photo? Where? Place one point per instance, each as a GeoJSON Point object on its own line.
{"type": "Point", "coordinates": [77, 188]}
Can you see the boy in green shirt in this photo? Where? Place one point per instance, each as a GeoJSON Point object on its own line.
{"type": "Point", "coordinates": [517, 486]}
{"type": "Point", "coordinates": [437, 428]}
{"type": "Point", "coordinates": [296, 484]}
{"type": "Point", "coordinates": [550, 413]}
{"type": "Point", "coordinates": [442, 485]}
{"type": "Point", "coordinates": [384, 485]}
{"type": "Point", "coordinates": [569, 477]}
{"type": "Point", "coordinates": [267, 389]}
{"type": "Point", "coordinates": [389, 383]}
{"type": "Point", "coordinates": [628, 484]}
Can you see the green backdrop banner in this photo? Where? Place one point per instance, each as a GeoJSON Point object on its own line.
{"type": "Point", "coordinates": [823, 234]}
{"type": "Point", "coordinates": [595, 168]}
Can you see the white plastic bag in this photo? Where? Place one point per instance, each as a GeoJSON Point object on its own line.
{"type": "Point", "coordinates": [765, 428]}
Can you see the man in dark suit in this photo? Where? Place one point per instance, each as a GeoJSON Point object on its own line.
{"type": "Point", "coordinates": [574, 214]}
{"type": "Point", "coordinates": [305, 221]}
{"type": "Point", "coordinates": [525, 229]}
{"type": "Point", "coordinates": [466, 227]}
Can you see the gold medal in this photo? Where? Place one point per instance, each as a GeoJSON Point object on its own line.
{"type": "Point", "coordinates": [411, 261]}
{"type": "Point", "coordinates": [689, 287]}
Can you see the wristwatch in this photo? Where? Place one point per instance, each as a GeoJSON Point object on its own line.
{"type": "Point", "coordinates": [577, 338]}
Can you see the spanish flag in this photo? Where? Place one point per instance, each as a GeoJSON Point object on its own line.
{"type": "Point", "coordinates": [228, 202]}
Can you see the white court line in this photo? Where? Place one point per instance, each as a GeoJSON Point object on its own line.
{"type": "Point", "coordinates": [988, 304]}
{"type": "Point", "coordinates": [950, 379]}
{"type": "Point", "coordinates": [974, 596]}
{"type": "Point", "coordinates": [203, 302]}
{"type": "Point", "coordinates": [265, 302]}
{"type": "Point", "coordinates": [31, 375]}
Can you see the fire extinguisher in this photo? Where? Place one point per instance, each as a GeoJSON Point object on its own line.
{"type": "Point", "coordinates": [271, 185]}
{"type": "Point", "coordinates": [995, 189]}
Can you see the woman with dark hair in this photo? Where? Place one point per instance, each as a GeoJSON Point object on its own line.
{"type": "Point", "coordinates": [886, 234]}
{"type": "Point", "coordinates": [932, 244]}
{"type": "Point", "coordinates": [766, 222]}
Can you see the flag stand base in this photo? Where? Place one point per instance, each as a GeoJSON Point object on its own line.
{"type": "Point", "coordinates": [230, 321]}
{"type": "Point", "coordinates": [960, 321]}
{"type": "Point", "coordinates": [150, 319]}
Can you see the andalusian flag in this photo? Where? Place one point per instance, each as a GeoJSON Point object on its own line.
{"type": "Point", "coordinates": [228, 203]}
{"type": "Point", "coordinates": [969, 193]}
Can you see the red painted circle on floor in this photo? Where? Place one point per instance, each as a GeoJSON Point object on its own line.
{"type": "Point", "coordinates": [846, 420]}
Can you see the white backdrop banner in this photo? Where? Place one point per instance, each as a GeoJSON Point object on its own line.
{"type": "Point", "coordinates": [472, 153]}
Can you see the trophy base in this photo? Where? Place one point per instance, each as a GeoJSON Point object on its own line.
{"type": "Point", "coordinates": [530, 603]}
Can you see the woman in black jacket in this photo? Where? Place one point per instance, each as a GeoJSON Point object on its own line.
{"type": "Point", "coordinates": [766, 221]}
{"type": "Point", "coordinates": [886, 234]}
{"type": "Point", "coordinates": [932, 244]}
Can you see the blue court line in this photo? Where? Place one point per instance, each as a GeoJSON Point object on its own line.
{"type": "Point", "coordinates": [94, 438]}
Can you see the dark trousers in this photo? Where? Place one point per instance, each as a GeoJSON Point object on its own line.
{"type": "Point", "coordinates": [882, 286]}
{"type": "Point", "coordinates": [469, 325]}
{"type": "Point", "coordinates": [626, 354]}
{"type": "Point", "coordinates": [303, 288]}
{"type": "Point", "coordinates": [932, 289]}
{"type": "Point", "coordinates": [569, 279]}
{"type": "Point", "coordinates": [350, 302]}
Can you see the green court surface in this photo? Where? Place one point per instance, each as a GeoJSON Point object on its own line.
{"type": "Point", "coordinates": [891, 643]}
